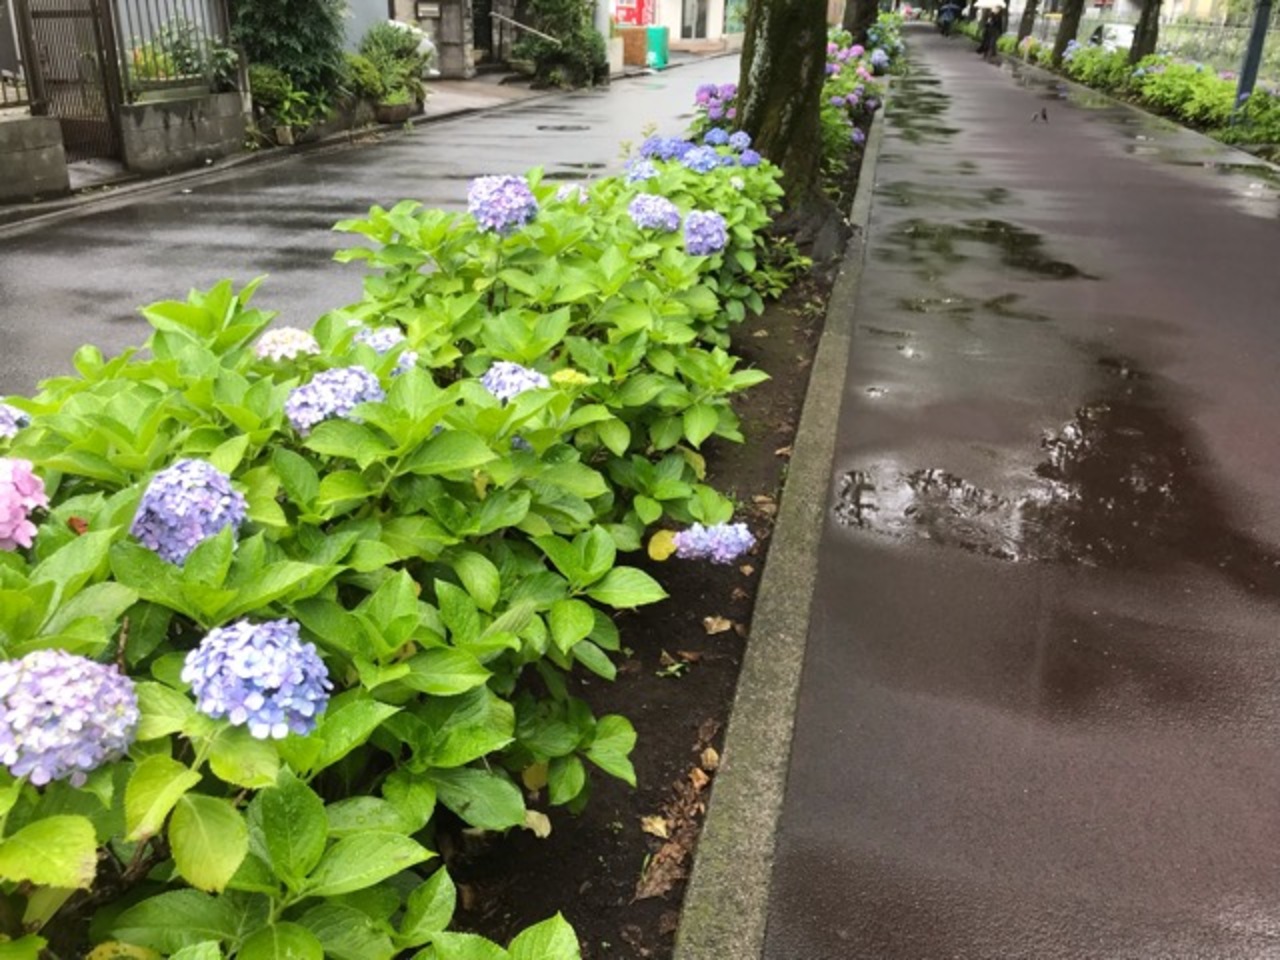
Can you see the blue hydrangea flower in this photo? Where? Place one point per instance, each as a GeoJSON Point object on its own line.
{"type": "Point", "coordinates": [705, 233]}
{"type": "Point", "coordinates": [858, 136]}
{"type": "Point", "coordinates": [386, 339]}
{"type": "Point", "coordinates": [701, 159]}
{"type": "Point", "coordinates": [501, 204]}
{"type": "Point", "coordinates": [665, 148]}
{"type": "Point", "coordinates": [719, 543]}
{"type": "Point", "coordinates": [11, 420]}
{"type": "Point", "coordinates": [879, 59]}
{"type": "Point", "coordinates": [750, 158]}
{"type": "Point", "coordinates": [261, 676]}
{"type": "Point", "coordinates": [331, 393]}
{"type": "Point", "coordinates": [740, 140]}
{"type": "Point", "coordinates": [506, 380]}
{"type": "Point", "coordinates": [651, 212]}
{"type": "Point", "coordinates": [184, 505]}
{"type": "Point", "coordinates": [63, 716]}
{"type": "Point", "coordinates": [716, 137]}
{"type": "Point", "coordinates": [639, 170]}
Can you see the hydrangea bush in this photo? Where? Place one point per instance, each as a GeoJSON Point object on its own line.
{"type": "Point", "coordinates": [270, 599]}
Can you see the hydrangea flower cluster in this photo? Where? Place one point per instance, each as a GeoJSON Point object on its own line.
{"type": "Point", "coordinates": [640, 170]}
{"type": "Point", "coordinates": [501, 204]}
{"type": "Point", "coordinates": [261, 676]}
{"type": "Point", "coordinates": [651, 212]}
{"type": "Point", "coordinates": [286, 343]}
{"type": "Point", "coordinates": [63, 716]}
{"type": "Point", "coordinates": [879, 60]}
{"type": "Point", "coordinates": [665, 148]}
{"type": "Point", "coordinates": [705, 233]}
{"type": "Point", "coordinates": [384, 340]}
{"type": "Point", "coordinates": [740, 140]}
{"type": "Point", "coordinates": [703, 159]}
{"type": "Point", "coordinates": [21, 491]}
{"type": "Point", "coordinates": [11, 420]}
{"type": "Point", "coordinates": [719, 543]}
{"type": "Point", "coordinates": [569, 191]}
{"type": "Point", "coordinates": [331, 393]}
{"type": "Point", "coordinates": [506, 380]}
{"type": "Point", "coordinates": [716, 137]}
{"type": "Point", "coordinates": [749, 158]}
{"type": "Point", "coordinates": [717, 101]}
{"type": "Point", "coordinates": [858, 136]}
{"type": "Point", "coordinates": [184, 505]}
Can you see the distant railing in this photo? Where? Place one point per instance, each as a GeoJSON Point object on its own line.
{"type": "Point", "coordinates": [525, 27]}
{"type": "Point", "coordinates": [168, 44]}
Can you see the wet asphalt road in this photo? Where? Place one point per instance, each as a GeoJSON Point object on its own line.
{"type": "Point", "coordinates": [1040, 710]}
{"type": "Point", "coordinates": [82, 280]}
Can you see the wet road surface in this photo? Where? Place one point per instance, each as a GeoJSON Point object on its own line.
{"type": "Point", "coordinates": [82, 280]}
{"type": "Point", "coordinates": [1040, 710]}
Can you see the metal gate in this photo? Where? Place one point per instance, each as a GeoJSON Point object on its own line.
{"type": "Point", "coordinates": [74, 72]}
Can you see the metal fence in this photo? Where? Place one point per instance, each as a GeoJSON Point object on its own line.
{"type": "Point", "coordinates": [167, 44]}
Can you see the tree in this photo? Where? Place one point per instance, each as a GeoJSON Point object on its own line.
{"type": "Point", "coordinates": [780, 92]}
{"type": "Point", "coordinates": [1067, 29]}
{"type": "Point", "coordinates": [1028, 21]}
{"type": "Point", "coordinates": [859, 15]}
{"type": "Point", "coordinates": [1147, 32]}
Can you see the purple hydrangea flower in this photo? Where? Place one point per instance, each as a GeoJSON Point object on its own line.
{"type": "Point", "coordinates": [386, 339]}
{"type": "Point", "coordinates": [879, 59]}
{"type": "Point", "coordinates": [331, 393]}
{"type": "Point", "coordinates": [836, 101]}
{"type": "Point", "coordinates": [11, 420]}
{"type": "Point", "coordinates": [750, 158]}
{"type": "Point", "coordinates": [665, 148]}
{"type": "Point", "coordinates": [640, 170]}
{"type": "Point", "coordinates": [701, 159]}
{"type": "Point", "coordinates": [858, 136]}
{"type": "Point", "coordinates": [716, 137]}
{"type": "Point", "coordinates": [21, 491]}
{"type": "Point", "coordinates": [506, 380]}
{"type": "Point", "coordinates": [501, 204]}
{"type": "Point", "coordinates": [63, 716]}
{"type": "Point", "coordinates": [184, 505]}
{"type": "Point", "coordinates": [651, 212]}
{"type": "Point", "coordinates": [285, 343]}
{"type": "Point", "coordinates": [705, 233]}
{"type": "Point", "coordinates": [719, 543]}
{"type": "Point", "coordinates": [740, 140]}
{"type": "Point", "coordinates": [833, 69]}
{"type": "Point", "coordinates": [261, 676]}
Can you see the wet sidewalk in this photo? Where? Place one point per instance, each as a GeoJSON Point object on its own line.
{"type": "Point", "coordinates": [1040, 708]}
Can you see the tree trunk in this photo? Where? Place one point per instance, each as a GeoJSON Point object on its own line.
{"type": "Point", "coordinates": [859, 15]}
{"type": "Point", "coordinates": [1028, 21]}
{"type": "Point", "coordinates": [1067, 29]}
{"type": "Point", "coordinates": [1147, 31]}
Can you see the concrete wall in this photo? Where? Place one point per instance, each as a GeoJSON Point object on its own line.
{"type": "Point", "coordinates": [169, 135]}
{"type": "Point", "coordinates": [361, 15]}
{"type": "Point", "coordinates": [451, 31]}
{"type": "Point", "coordinates": [32, 162]}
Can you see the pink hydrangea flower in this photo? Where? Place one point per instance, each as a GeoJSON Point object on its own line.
{"type": "Point", "coordinates": [21, 491]}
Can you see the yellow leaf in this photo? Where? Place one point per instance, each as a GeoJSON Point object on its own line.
{"type": "Point", "coordinates": [538, 822]}
{"type": "Point", "coordinates": [655, 827]}
{"type": "Point", "coordinates": [714, 625]}
{"type": "Point", "coordinates": [662, 544]}
{"type": "Point", "coordinates": [115, 950]}
{"type": "Point", "coordinates": [535, 776]}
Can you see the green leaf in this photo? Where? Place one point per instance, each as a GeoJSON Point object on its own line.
{"type": "Point", "coordinates": [298, 477]}
{"type": "Point", "coordinates": [29, 947]}
{"type": "Point", "coordinates": [229, 453]}
{"type": "Point", "coordinates": [208, 839]}
{"type": "Point", "coordinates": [700, 422]}
{"type": "Point", "coordinates": [294, 828]}
{"type": "Point", "coordinates": [75, 563]}
{"type": "Point", "coordinates": [484, 798]}
{"type": "Point", "coordinates": [412, 794]}
{"type": "Point", "coordinates": [428, 910]}
{"type": "Point", "coordinates": [347, 727]}
{"type": "Point", "coordinates": [466, 946]}
{"type": "Point", "coordinates": [570, 621]}
{"type": "Point", "coordinates": [157, 784]}
{"type": "Point", "coordinates": [347, 933]}
{"type": "Point", "coordinates": [615, 435]}
{"type": "Point", "coordinates": [627, 587]}
{"type": "Point", "coordinates": [357, 814]}
{"type": "Point", "coordinates": [610, 750]}
{"type": "Point", "coordinates": [479, 575]}
{"type": "Point", "coordinates": [205, 950]}
{"type": "Point", "coordinates": [648, 510]}
{"type": "Point", "coordinates": [448, 452]}
{"type": "Point", "coordinates": [237, 757]}
{"type": "Point", "coordinates": [552, 939]}
{"type": "Point", "coordinates": [444, 672]}
{"type": "Point", "coordinates": [566, 776]}
{"type": "Point", "coordinates": [362, 860]}
{"type": "Point", "coordinates": [282, 941]}
{"type": "Point", "coordinates": [346, 438]}
{"type": "Point", "coordinates": [162, 710]}
{"type": "Point", "coordinates": [59, 851]}
{"type": "Point", "coordinates": [176, 920]}
{"type": "Point", "coordinates": [340, 486]}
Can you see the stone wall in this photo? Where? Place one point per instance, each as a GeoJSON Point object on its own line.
{"type": "Point", "coordinates": [165, 135]}
{"type": "Point", "coordinates": [32, 162]}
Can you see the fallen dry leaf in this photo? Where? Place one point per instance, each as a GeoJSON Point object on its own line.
{"type": "Point", "coordinates": [665, 659]}
{"type": "Point", "coordinates": [664, 870]}
{"type": "Point", "coordinates": [761, 333]}
{"type": "Point", "coordinates": [710, 759]}
{"type": "Point", "coordinates": [708, 729]}
{"type": "Point", "coordinates": [714, 625]}
{"type": "Point", "coordinates": [747, 569]}
{"type": "Point", "coordinates": [689, 656]}
{"type": "Point", "coordinates": [698, 777]}
{"type": "Point", "coordinates": [537, 822]}
{"type": "Point", "coordinates": [783, 451]}
{"type": "Point", "coordinates": [668, 923]}
{"type": "Point", "coordinates": [740, 594]}
{"type": "Point", "coordinates": [656, 826]}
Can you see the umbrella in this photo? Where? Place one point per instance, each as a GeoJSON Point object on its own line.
{"type": "Point", "coordinates": [990, 5]}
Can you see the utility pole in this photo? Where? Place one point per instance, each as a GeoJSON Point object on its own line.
{"type": "Point", "coordinates": [1253, 55]}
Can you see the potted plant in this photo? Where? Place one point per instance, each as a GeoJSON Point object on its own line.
{"type": "Point", "coordinates": [396, 106]}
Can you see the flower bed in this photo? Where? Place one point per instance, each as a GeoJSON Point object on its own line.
{"type": "Point", "coordinates": [279, 603]}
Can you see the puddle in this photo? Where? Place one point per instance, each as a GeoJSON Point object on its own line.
{"type": "Point", "coordinates": [917, 106]}
{"type": "Point", "coordinates": [930, 243]}
{"type": "Point", "coordinates": [563, 127]}
{"type": "Point", "coordinates": [904, 193]}
{"type": "Point", "coordinates": [589, 165]}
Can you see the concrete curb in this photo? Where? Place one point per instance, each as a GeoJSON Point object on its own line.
{"type": "Point", "coordinates": [726, 906]}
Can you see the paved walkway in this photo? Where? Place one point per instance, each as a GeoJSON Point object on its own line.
{"type": "Point", "coordinates": [82, 280]}
{"type": "Point", "coordinates": [1040, 710]}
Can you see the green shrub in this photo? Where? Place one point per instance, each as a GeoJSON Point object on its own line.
{"type": "Point", "coordinates": [1097, 67]}
{"type": "Point", "coordinates": [362, 77]}
{"type": "Point", "coordinates": [270, 87]}
{"type": "Point", "coordinates": [301, 38]}
{"type": "Point", "coordinates": [579, 58]}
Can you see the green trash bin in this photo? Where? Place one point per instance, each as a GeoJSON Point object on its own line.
{"type": "Point", "coordinates": [659, 48]}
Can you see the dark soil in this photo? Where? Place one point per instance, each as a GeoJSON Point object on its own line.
{"type": "Point", "coordinates": [676, 685]}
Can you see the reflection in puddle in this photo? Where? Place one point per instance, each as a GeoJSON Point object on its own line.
{"type": "Point", "coordinates": [907, 194]}
{"type": "Point", "coordinates": [916, 109]}
{"type": "Point", "coordinates": [928, 243]}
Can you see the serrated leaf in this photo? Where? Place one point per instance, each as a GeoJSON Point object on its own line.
{"type": "Point", "coordinates": [362, 860]}
{"type": "Point", "coordinates": [428, 910]}
{"type": "Point", "coordinates": [627, 587]}
{"type": "Point", "coordinates": [59, 851]}
{"type": "Point", "coordinates": [552, 939]}
{"type": "Point", "coordinates": [156, 785]}
{"type": "Point", "coordinates": [209, 840]}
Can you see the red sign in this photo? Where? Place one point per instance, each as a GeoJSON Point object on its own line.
{"type": "Point", "coordinates": [635, 13]}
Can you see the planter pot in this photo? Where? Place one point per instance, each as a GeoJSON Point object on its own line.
{"type": "Point", "coordinates": [284, 136]}
{"type": "Point", "coordinates": [394, 112]}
